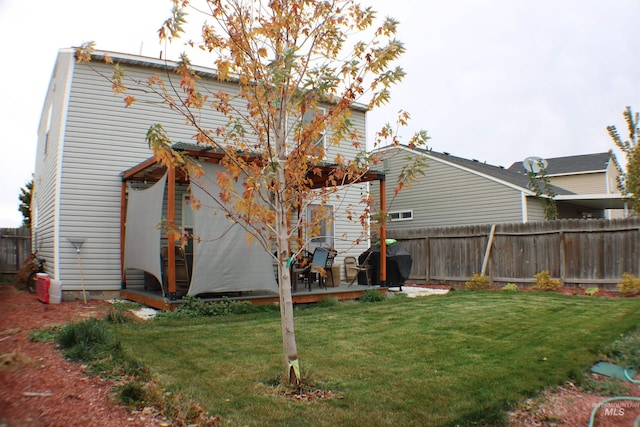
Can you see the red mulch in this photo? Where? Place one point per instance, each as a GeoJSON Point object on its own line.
{"type": "Point", "coordinates": [38, 387]}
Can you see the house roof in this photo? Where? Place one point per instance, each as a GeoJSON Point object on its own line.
{"type": "Point", "coordinates": [517, 179]}
{"type": "Point", "coordinates": [496, 173]}
{"type": "Point", "coordinates": [165, 64]}
{"type": "Point", "coordinates": [569, 165]}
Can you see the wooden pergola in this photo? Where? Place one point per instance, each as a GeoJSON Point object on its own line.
{"type": "Point", "coordinates": [152, 170]}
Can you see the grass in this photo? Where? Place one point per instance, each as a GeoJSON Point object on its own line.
{"type": "Point", "coordinates": [457, 359]}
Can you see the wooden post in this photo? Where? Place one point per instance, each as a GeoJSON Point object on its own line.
{"type": "Point", "coordinates": [427, 252]}
{"type": "Point", "coordinates": [171, 239]}
{"type": "Point", "coordinates": [563, 259]}
{"type": "Point", "coordinates": [383, 232]}
{"type": "Point", "coordinates": [123, 214]}
{"type": "Point", "coordinates": [487, 252]}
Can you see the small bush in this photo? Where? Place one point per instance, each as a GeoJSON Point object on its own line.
{"type": "Point", "coordinates": [544, 282]}
{"type": "Point", "coordinates": [630, 284]}
{"type": "Point", "coordinates": [591, 291]}
{"type": "Point", "coordinates": [372, 295]}
{"type": "Point", "coordinates": [116, 317]}
{"type": "Point", "coordinates": [477, 282]}
{"type": "Point", "coordinates": [80, 341]}
{"type": "Point", "coordinates": [132, 394]}
{"type": "Point", "coordinates": [193, 307]}
{"type": "Point", "coordinates": [625, 352]}
{"type": "Point", "coordinates": [510, 287]}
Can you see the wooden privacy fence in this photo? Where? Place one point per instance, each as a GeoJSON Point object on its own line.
{"type": "Point", "coordinates": [15, 247]}
{"type": "Point", "coordinates": [578, 252]}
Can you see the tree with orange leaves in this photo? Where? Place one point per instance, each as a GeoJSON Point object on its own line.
{"type": "Point", "coordinates": [299, 75]}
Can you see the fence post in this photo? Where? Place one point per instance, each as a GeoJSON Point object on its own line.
{"type": "Point", "coordinates": [427, 251]}
{"type": "Point", "coordinates": [563, 259]}
{"type": "Point", "coordinates": [487, 252]}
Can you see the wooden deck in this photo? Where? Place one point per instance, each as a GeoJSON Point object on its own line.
{"type": "Point", "coordinates": [156, 300]}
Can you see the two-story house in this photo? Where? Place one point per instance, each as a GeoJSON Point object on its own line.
{"type": "Point", "coordinates": [100, 198]}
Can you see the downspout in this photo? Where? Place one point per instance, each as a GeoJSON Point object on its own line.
{"type": "Point", "coordinates": [524, 207]}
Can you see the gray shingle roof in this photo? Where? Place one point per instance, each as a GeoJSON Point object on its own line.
{"type": "Point", "coordinates": [497, 172]}
{"type": "Point", "coordinates": [572, 164]}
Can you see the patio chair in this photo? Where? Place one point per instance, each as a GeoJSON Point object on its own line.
{"type": "Point", "coordinates": [318, 264]}
{"type": "Point", "coordinates": [353, 269]}
{"type": "Point", "coordinates": [328, 268]}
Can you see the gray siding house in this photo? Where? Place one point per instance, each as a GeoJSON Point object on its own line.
{"type": "Point", "coordinates": [455, 191]}
{"type": "Point", "coordinates": [87, 139]}
{"type": "Point", "coordinates": [592, 174]}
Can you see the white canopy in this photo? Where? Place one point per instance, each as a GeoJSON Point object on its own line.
{"type": "Point", "coordinates": [224, 260]}
{"type": "Point", "coordinates": [142, 238]}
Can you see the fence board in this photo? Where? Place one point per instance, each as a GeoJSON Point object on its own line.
{"type": "Point", "coordinates": [580, 252]}
{"type": "Point", "coordinates": [15, 247]}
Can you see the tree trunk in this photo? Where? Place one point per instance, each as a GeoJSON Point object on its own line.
{"type": "Point", "coordinates": [284, 279]}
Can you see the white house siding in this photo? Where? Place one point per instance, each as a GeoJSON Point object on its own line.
{"type": "Point", "coordinates": [99, 139]}
{"type": "Point", "coordinates": [447, 195]}
{"type": "Point", "coordinates": [348, 198]}
{"type": "Point", "coordinates": [102, 139]}
{"type": "Point", "coordinates": [47, 167]}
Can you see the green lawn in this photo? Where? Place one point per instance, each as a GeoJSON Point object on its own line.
{"type": "Point", "coordinates": [436, 361]}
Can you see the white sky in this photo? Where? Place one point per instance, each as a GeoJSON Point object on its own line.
{"type": "Point", "coordinates": [493, 80]}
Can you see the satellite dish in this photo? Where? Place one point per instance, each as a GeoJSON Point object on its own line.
{"type": "Point", "coordinates": [534, 164]}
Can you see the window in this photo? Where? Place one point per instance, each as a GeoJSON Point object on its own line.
{"type": "Point", "coordinates": [322, 215]}
{"type": "Point", "coordinates": [187, 225]}
{"type": "Point", "coordinates": [308, 118]}
{"type": "Point", "coordinates": [401, 215]}
{"type": "Point", "coordinates": [187, 212]}
{"type": "Point", "coordinates": [48, 130]}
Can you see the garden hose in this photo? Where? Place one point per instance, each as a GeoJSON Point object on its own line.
{"type": "Point", "coordinates": [628, 377]}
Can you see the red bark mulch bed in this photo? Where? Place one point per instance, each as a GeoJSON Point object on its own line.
{"type": "Point", "coordinates": [38, 387]}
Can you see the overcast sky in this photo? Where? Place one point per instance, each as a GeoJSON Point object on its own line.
{"type": "Point", "coordinates": [492, 80]}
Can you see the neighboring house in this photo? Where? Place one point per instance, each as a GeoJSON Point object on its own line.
{"type": "Point", "coordinates": [87, 139]}
{"type": "Point", "coordinates": [593, 174]}
{"type": "Point", "coordinates": [454, 191]}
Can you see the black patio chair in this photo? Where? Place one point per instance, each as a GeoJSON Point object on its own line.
{"type": "Point", "coordinates": [316, 267]}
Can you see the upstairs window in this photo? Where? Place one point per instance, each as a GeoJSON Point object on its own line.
{"type": "Point", "coordinates": [47, 130]}
{"type": "Point", "coordinates": [307, 118]}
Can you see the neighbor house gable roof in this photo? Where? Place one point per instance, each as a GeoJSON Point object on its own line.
{"type": "Point", "coordinates": [494, 173]}
{"type": "Point", "coordinates": [571, 165]}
